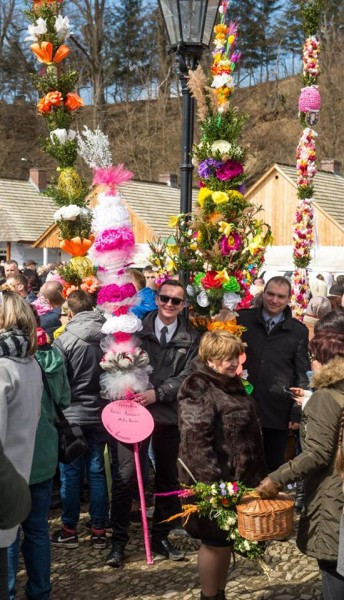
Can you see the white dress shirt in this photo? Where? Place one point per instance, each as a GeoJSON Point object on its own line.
{"type": "Point", "coordinates": [170, 328]}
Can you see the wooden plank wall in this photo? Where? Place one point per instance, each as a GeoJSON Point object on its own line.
{"type": "Point", "coordinates": [278, 198]}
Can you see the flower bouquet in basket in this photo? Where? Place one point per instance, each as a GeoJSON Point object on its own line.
{"type": "Point", "coordinates": [248, 519]}
{"type": "Point", "coordinates": [218, 502]}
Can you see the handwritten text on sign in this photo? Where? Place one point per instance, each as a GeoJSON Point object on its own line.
{"type": "Point", "coordinates": [127, 421]}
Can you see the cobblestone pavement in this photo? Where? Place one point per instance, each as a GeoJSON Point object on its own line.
{"type": "Point", "coordinates": [80, 574]}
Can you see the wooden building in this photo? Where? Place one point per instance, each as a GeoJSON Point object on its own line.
{"type": "Point", "coordinates": [276, 192]}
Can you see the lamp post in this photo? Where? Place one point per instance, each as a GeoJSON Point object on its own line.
{"type": "Point", "coordinates": [189, 25]}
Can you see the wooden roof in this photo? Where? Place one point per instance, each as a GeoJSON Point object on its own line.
{"type": "Point", "coordinates": [153, 203]}
{"type": "Point", "coordinates": [149, 203]}
{"type": "Point", "coordinates": [328, 189]}
{"type": "Point", "coordinates": [24, 212]}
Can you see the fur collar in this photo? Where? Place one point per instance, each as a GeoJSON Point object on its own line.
{"type": "Point", "coordinates": [330, 374]}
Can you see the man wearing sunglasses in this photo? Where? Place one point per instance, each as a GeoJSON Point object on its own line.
{"type": "Point", "coordinates": [171, 343]}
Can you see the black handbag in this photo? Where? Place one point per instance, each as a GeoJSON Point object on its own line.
{"type": "Point", "coordinates": [71, 441]}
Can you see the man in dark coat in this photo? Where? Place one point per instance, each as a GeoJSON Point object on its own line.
{"type": "Point", "coordinates": [277, 359]}
{"type": "Point", "coordinates": [171, 343]}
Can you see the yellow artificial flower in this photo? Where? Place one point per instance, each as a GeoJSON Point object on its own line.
{"type": "Point", "coordinates": [173, 221]}
{"type": "Point", "coordinates": [203, 194]}
{"type": "Point", "coordinates": [219, 197]}
{"type": "Point", "coordinates": [193, 246]}
{"type": "Point", "coordinates": [256, 244]}
{"type": "Point", "coordinates": [225, 228]}
{"type": "Point", "coordinates": [235, 195]}
{"type": "Point", "coordinates": [222, 276]}
{"type": "Point", "coordinates": [172, 249]}
{"type": "Point", "coordinates": [171, 265]}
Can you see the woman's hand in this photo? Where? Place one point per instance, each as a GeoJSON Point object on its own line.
{"type": "Point", "coordinates": [298, 394]}
{"type": "Point", "coordinates": [267, 488]}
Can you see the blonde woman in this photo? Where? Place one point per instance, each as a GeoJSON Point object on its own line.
{"type": "Point", "coordinates": [217, 418]}
{"type": "Point", "coordinates": [20, 398]}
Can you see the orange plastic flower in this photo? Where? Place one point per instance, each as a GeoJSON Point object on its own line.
{"type": "Point", "coordinates": [89, 284]}
{"type": "Point", "coordinates": [221, 28]}
{"type": "Point", "coordinates": [55, 98]}
{"type": "Point", "coordinates": [44, 52]}
{"type": "Point", "coordinates": [77, 246]}
{"type": "Point", "coordinates": [73, 101]}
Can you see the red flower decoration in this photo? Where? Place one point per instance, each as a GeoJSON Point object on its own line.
{"type": "Point", "coordinates": [209, 281]}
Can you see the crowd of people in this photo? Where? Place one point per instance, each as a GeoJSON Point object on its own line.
{"type": "Point", "coordinates": [50, 353]}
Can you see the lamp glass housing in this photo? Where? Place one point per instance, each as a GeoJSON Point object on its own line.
{"type": "Point", "coordinates": [189, 22]}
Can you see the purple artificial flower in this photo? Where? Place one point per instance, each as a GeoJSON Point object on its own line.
{"type": "Point", "coordinates": [236, 56]}
{"type": "Point", "coordinates": [229, 170]}
{"type": "Point", "coordinates": [242, 189]}
{"type": "Point", "coordinates": [207, 166]}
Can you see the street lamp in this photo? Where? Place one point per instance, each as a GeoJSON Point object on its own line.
{"type": "Point", "coordinates": [189, 25]}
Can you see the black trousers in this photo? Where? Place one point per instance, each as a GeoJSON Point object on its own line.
{"type": "Point", "coordinates": [165, 442]}
{"type": "Point", "coordinates": [275, 441]}
{"type": "Point", "coordinates": [333, 583]}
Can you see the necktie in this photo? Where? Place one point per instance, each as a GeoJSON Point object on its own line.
{"type": "Point", "coordinates": [163, 336]}
{"type": "Point", "coordinates": [270, 323]}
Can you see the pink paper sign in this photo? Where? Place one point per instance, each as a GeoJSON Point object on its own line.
{"type": "Point", "coordinates": [127, 421]}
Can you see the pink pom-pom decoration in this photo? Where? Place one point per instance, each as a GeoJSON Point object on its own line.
{"type": "Point", "coordinates": [115, 293]}
{"type": "Point", "coordinates": [111, 176]}
{"type": "Point", "coordinates": [121, 238]}
{"type": "Point", "coordinates": [309, 99]}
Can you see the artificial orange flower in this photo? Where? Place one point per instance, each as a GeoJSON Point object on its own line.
{"type": "Point", "coordinates": [44, 52]}
{"type": "Point", "coordinates": [55, 98]}
{"type": "Point", "coordinates": [89, 284]}
{"type": "Point", "coordinates": [221, 28]}
{"type": "Point", "coordinates": [73, 101]}
{"type": "Point", "coordinates": [61, 53]}
{"type": "Point", "coordinates": [49, 100]}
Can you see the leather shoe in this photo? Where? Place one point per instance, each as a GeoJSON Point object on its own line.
{"type": "Point", "coordinates": [166, 549]}
{"type": "Point", "coordinates": [116, 557]}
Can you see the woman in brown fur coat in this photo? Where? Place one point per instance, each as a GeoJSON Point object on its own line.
{"type": "Point", "coordinates": [220, 440]}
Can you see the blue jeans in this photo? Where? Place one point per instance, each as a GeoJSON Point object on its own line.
{"type": "Point", "coordinates": [71, 480]}
{"type": "Point", "coordinates": [35, 547]}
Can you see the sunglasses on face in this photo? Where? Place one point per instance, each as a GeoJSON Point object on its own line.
{"type": "Point", "coordinates": [165, 300]}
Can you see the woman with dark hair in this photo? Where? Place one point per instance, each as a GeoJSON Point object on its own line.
{"type": "Point", "coordinates": [318, 534]}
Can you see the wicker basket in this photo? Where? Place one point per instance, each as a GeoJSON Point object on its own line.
{"type": "Point", "coordinates": [260, 520]}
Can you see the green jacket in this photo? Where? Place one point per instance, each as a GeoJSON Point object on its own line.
{"type": "Point", "coordinates": [318, 534]}
{"type": "Point", "coordinates": [46, 444]}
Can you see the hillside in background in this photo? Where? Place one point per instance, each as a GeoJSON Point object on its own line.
{"type": "Point", "coordinates": [146, 135]}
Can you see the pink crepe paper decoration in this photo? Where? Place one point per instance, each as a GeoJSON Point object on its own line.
{"type": "Point", "coordinates": [309, 99]}
{"type": "Point", "coordinates": [120, 336]}
{"type": "Point", "coordinates": [111, 176]}
{"type": "Point", "coordinates": [115, 293]}
{"type": "Point", "coordinates": [121, 310]}
{"type": "Point", "coordinates": [121, 238]}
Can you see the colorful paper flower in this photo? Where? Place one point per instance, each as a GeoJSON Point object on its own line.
{"type": "Point", "coordinates": [44, 52]}
{"type": "Point", "coordinates": [219, 197]}
{"type": "Point", "coordinates": [73, 102]}
{"type": "Point", "coordinates": [229, 170]}
{"type": "Point", "coordinates": [211, 280]}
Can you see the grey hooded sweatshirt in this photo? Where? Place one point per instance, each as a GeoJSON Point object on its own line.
{"type": "Point", "coordinates": [80, 346]}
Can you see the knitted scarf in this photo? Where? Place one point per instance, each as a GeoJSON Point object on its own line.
{"type": "Point", "coordinates": [13, 343]}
